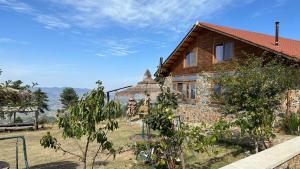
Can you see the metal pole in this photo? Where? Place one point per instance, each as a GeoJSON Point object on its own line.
{"type": "Point", "coordinates": [25, 153]}
{"type": "Point", "coordinates": [24, 147]}
{"type": "Point", "coordinates": [17, 154]}
{"type": "Point", "coordinates": [143, 130]}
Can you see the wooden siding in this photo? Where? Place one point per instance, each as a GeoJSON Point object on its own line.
{"type": "Point", "coordinates": [205, 43]}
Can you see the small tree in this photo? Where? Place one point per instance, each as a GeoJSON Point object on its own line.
{"type": "Point", "coordinates": [253, 91]}
{"type": "Point", "coordinates": [68, 97]}
{"type": "Point", "coordinates": [172, 138]}
{"type": "Point", "coordinates": [83, 122]}
{"type": "Point", "coordinates": [40, 102]}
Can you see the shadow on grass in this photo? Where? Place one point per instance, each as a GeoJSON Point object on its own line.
{"type": "Point", "coordinates": [56, 165]}
{"type": "Point", "coordinates": [215, 162]}
{"type": "Point", "coordinates": [104, 163]}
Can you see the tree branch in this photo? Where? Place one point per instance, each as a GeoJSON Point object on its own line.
{"type": "Point", "coordinates": [94, 158]}
{"type": "Point", "coordinates": [68, 152]}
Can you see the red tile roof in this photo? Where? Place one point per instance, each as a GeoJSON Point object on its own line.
{"type": "Point", "coordinates": [286, 46]}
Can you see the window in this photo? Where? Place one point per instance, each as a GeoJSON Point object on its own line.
{"type": "Point", "coordinates": [179, 87]}
{"type": "Point", "coordinates": [187, 90]}
{"type": "Point", "coordinates": [224, 52]}
{"type": "Point", "coordinates": [217, 89]}
{"type": "Point", "coordinates": [174, 87]}
{"type": "Point", "coordinates": [193, 90]}
{"type": "Point", "coordinates": [219, 53]}
{"type": "Point", "coordinates": [191, 59]}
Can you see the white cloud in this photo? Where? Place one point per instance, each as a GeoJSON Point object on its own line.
{"type": "Point", "coordinates": [116, 47]}
{"type": "Point", "coordinates": [137, 13]}
{"type": "Point", "coordinates": [51, 22]}
{"type": "Point", "coordinates": [279, 3]}
{"type": "Point", "coordinates": [170, 14]}
{"type": "Point", "coordinates": [47, 20]}
{"type": "Point", "coordinates": [16, 5]}
{"type": "Point", "coordinates": [9, 40]}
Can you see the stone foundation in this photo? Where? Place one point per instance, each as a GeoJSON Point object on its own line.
{"type": "Point", "coordinates": [198, 113]}
{"type": "Point", "coordinates": [203, 108]}
{"type": "Point", "coordinates": [293, 163]}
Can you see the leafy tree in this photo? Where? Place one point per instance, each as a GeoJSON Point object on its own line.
{"type": "Point", "coordinates": [253, 91]}
{"type": "Point", "coordinates": [14, 97]}
{"type": "Point", "coordinates": [40, 102]}
{"type": "Point", "coordinates": [68, 97]}
{"type": "Point", "coordinates": [83, 122]}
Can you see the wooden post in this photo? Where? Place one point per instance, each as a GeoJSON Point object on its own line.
{"type": "Point", "coordinates": [15, 117]}
{"type": "Point", "coordinates": [288, 103]}
{"type": "Point", "coordinates": [36, 124]}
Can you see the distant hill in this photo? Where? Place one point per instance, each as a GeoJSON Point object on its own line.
{"type": "Point", "coordinates": [54, 96]}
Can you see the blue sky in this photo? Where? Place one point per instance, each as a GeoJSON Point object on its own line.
{"type": "Point", "coordinates": [76, 42]}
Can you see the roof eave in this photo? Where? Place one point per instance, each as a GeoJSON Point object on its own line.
{"type": "Point", "coordinates": [181, 42]}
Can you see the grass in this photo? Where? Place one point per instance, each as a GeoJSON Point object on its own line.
{"type": "Point", "coordinates": [39, 157]}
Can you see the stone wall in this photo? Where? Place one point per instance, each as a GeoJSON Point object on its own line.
{"type": "Point", "coordinates": [294, 102]}
{"type": "Point", "coordinates": [205, 110]}
{"type": "Point", "coordinates": [293, 163]}
{"type": "Point", "coordinates": [198, 113]}
{"type": "Point", "coordinates": [202, 110]}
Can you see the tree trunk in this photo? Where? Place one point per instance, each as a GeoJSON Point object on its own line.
{"type": "Point", "coordinates": [85, 152]}
{"type": "Point", "coordinates": [36, 125]}
{"type": "Point", "coordinates": [94, 159]}
{"type": "Point", "coordinates": [15, 113]}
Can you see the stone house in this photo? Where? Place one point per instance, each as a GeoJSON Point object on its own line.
{"type": "Point", "coordinates": [189, 66]}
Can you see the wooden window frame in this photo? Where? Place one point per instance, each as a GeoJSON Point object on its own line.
{"type": "Point", "coordinates": [188, 95]}
{"type": "Point", "coordinates": [195, 49]}
{"type": "Point", "coordinates": [223, 44]}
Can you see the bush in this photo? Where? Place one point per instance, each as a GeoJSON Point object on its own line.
{"type": "Point", "coordinates": [292, 123]}
{"type": "Point", "coordinates": [43, 120]}
{"type": "Point", "coordinates": [19, 120]}
{"type": "Point", "coordinates": [139, 146]}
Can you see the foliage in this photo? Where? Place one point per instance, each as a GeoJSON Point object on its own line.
{"type": "Point", "coordinates": [174, 135]}
{"type": "Point", "coordinates": [40, 99]}
{"type": "Point", "coordinates": [292, 123]}
{"type": "Point", "coordinates": [46, 119]}
{"type": "Point", "coordinates": [14, 97]}
{"type": "Point", "coordinates": [19, 120]}
{"type": "Point", "coordinates": [253, 91]}
{"type": "Point", "coordinates": [89, 119]}
{"type": "Point", "coordinates": [68, 97]}
{"type": "Point", "coordinates": [199, 138]}
{"type": "Point", "coordinates": [14, 94]}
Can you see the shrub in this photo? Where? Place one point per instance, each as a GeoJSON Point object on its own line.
{"type": "Point", "coordinates": [19, 120]}
{"type": "Point", "coordinates": [291, 123]}
{"type": "Point", "coordinates": [43, 120]}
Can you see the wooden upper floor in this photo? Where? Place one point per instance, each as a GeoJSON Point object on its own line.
{"type": "Point", "coordinates": [208, 45]}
